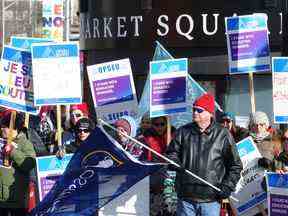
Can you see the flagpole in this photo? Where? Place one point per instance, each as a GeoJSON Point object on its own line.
{"type": "Point", "coordinates": [165, 158]}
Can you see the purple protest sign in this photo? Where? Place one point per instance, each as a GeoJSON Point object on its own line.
{"type": "Point", "coordinates": [47, 183]}
{"type": "Point", "coordinates": [249, 45]}
{"type": "Point", "coordinates": [112, 90]}
{"type": "Point", "coordinates": [168, 90]}
{"type": "Point", "coordinates": [278, 205]}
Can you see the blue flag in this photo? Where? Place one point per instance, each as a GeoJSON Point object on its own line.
{"type": "Point", "coordinates": [194, 90]}
{"type": "Point", "coordinates": [98, 172]}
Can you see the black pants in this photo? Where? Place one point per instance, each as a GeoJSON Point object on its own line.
{"type": "Point", "coordinates": [12, 212]}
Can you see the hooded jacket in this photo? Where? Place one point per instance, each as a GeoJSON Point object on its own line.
{"type": "Point", "coordinates": [14, 180]}
{"type": "Point", "coordinates": [211, 155]}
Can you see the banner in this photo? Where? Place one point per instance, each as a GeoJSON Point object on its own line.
{"type": "Point", "coordinates": [113, 89]}
{"type": "Point", "coordinates": [280, 89]}
{"type": "Point", "coordinates": [194, 90]}
{"type": "Point", "coordinates": [98, 172]}
{"type": "Point", "coordinates": [247, 42]}
{"type": "Point", "coordinates": [56, 73]}
{"type": "Point", "coordinates": [26, 42]}
{"type": "Point", "coordinates": [277, 188]}
{"type": "Point", "coordinates": [49, 170]}
{"type": "Point", "coordinates": [53, 19]}
{"type": "Point", "coordinates": [249, 191]}
{"type": "Point", "coordinates": [168, 87]}
{"type": "Point", "coordinates": [16, 83]}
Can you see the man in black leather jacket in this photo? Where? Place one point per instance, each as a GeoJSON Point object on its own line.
{"type": "Point", "coordinates": [208, 150]}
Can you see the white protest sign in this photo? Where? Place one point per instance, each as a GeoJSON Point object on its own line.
{"type": "Point", "coordinates": [248, 190]}
{"type": "Point", "coordinates": [280, 89]}
{"type": "Point", "coordinates": [16, 83]}
{"type": "Point", "coordinates": [113, 89]}
{"type": "Point", "coordinates": [26, 42]}
{"type": "Point", "coordinates": [168, 87]}
{"type": "Point", "coordinates": [56, 73]}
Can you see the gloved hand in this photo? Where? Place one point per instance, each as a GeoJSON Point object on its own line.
{"type": "Point", "coordinates": [265, 163]}
{"type": "Point", "coordinates": [224, 193]}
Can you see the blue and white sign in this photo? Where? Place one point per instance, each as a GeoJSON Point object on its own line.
{"type": "Point", "coordinates": [168, 87]}
{"type": "Point", "coordinates": [26, 42]}
{"type": "Point", "coordinates": [280, 89]}
{"type": "Point", "coordinates": [113, 89]}
{"type": "Point", "coordinates": [16, 82]}
{"type": "Point", "coordinates": [49, 169]}
{"type": "Point", "coordinates": [56, 73]}
{"type": "Point", "coordinates": [249, 191]}
{"type": "Point", "coordinates": [277, 194]}
{"type": "Point", "coordinates": [247, 42]}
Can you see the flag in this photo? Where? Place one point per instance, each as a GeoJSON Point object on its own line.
{"type": "Point", "coordinates": [194, 90]}
{"type": "Point", "coordinates": [98, 172]}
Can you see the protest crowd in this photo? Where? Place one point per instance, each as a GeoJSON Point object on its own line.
{"type": "Point", "coordinates": [59, 157]}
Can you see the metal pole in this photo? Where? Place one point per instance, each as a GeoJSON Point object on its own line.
{"type": "Point", "coordinates": [3, 23]}
{"type": "Point", "coordinates": [164, 158]}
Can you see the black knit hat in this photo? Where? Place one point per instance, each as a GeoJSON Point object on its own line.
{"type": "Point", "coordinates": [84, 123]}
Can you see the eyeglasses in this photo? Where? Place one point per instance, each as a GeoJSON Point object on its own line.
{"type": "Point", "coordinates": [76, 115]}
{"type": "Point", "coordinates": [198, 110]}
{"type": "Point", "coordinates": [83, 130]}
{"type": "Point", "coordinates": [162, 124]}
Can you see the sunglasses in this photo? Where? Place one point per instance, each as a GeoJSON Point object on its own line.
{"type": "Point", "coordinates": [226, 120]}
{"type": "Point", "coordinates": [162, 124]}
{"type": "Point", "coordinates": [83, 130]}
{"type": "Point", "coordinates": [198, 110]}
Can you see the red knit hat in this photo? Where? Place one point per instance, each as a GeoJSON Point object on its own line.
{"type": "Point", "coordinates": [206, 101]}
{"type": "Point", "coordinates": [83, 107]}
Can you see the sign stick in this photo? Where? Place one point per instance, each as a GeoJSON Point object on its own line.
{"type": "Point", "coordinates": [251, 92]}
{"type": "Point", "coordinates": [59, 129]}
{"type": "Point", "coordinates": [168, 130]}
{"type": "Point", "coordinates": [164, 158]}
{"type": "Point", "coordinates": [26, 122]}
{"type": "Point", "coordinates": [6, 161]}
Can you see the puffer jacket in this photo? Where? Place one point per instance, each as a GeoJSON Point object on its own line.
{"type": "Point", "coordinates": [211, 155]}
{"type": "Point", "coordinates": [14, 180]}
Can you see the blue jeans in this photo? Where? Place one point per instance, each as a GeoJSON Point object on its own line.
{"type": "Point", "coordinates": [197, 209]}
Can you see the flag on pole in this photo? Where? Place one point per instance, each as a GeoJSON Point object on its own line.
{"type": "Point", "coordinates": [194, 90]}
{"type": "Point", "coordinates": [98, 172]}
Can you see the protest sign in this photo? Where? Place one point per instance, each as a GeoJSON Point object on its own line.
{"type": "Point", "coordinates": [168, 87]}
{"type": "Point", "coordinates": [277, 188]}
{"type": "Point", "coordinates": [113, 89]}
{"type": "Point", "coordinates": [280, 89]}
{"type": "Point", "coordinates": [194, 90]}
{"type": "Point", "coordinates": [248, 190]}
{"type": "Point", "coordinates": [247, 42]}
{"type": "Point", "coordinates": [56, 73]}
{"type": "Point", "coordinates": [16, 83]}
{"type": "Point", "coordinates": [49, 170]}
{"type": "Point", "coordinates": [53, 19]}
{"type": "Point", "coordinates": [26, 42]}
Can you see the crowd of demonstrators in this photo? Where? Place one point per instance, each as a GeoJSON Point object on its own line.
{"type": "Point", "coordinates": [208, 150]}
{"type": "Point", "coordinates": [14, 179]}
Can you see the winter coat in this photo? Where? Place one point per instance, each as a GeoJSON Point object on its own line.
{"type": "Point", "coordinates": [14, 180]}
{"type": "Point", "coordinates": [211, 155]}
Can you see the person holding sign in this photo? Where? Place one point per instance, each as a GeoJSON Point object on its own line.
{"type": "Point", "coordinates": [281, 161]}
{"type": "Point", "coordinates": [14, 179]}
{"type": "Point", "coordinates": [208, 150]}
